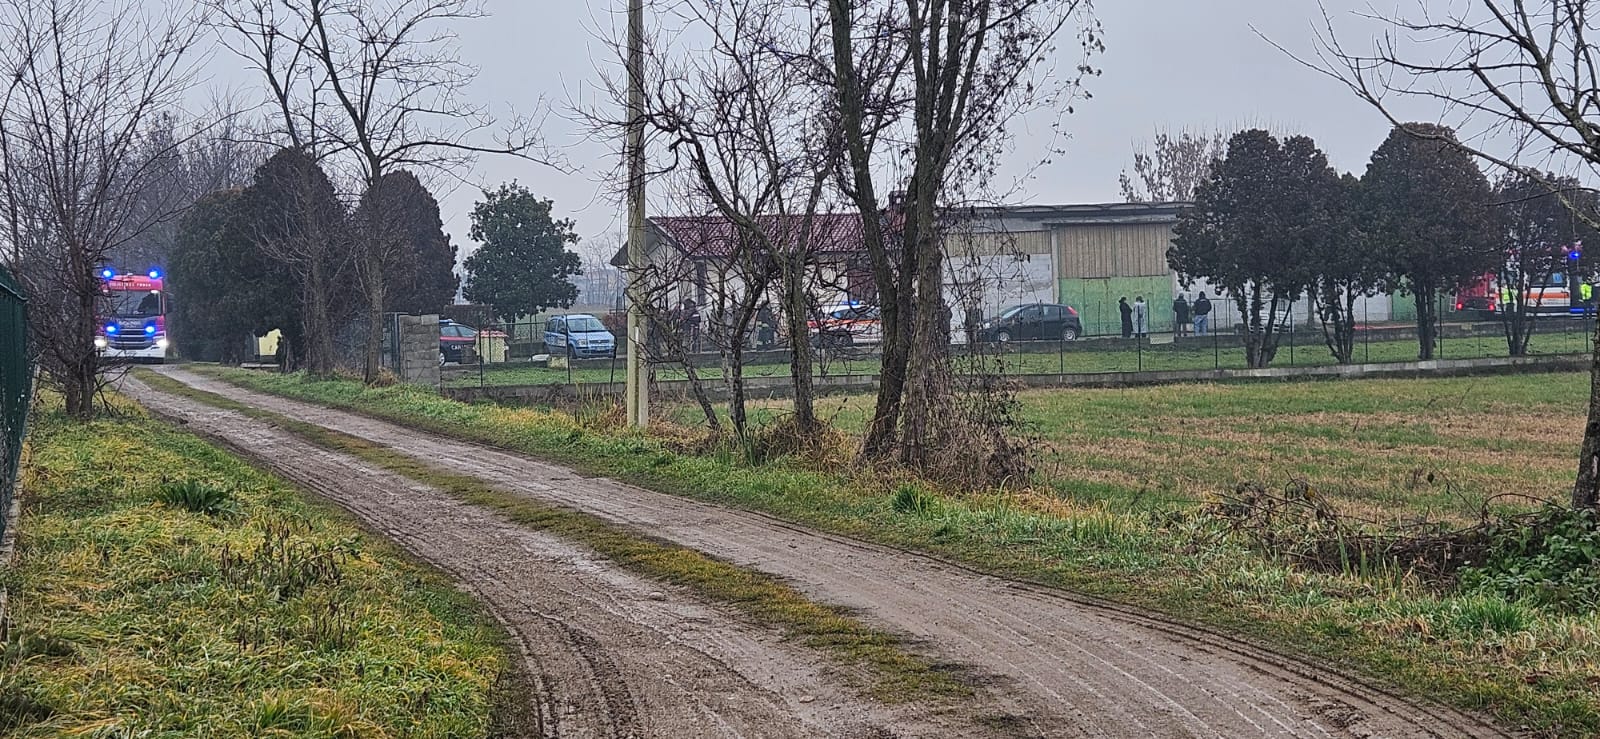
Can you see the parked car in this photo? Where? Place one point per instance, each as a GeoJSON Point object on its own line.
{"type": "Point", "coordinates": [847, 325]}
{"type": "Point", "coordinates": [454, 339]}
{"type": "Point", "coordinates": [1033, 322]}
{"type": "Point", "coordinates": [578, 335]}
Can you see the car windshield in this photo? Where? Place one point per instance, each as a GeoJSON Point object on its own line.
{"type": "Point", "coordinates": [133, 303]}
{"type": "Point", "coordinates": [584, 325]}
{"type": "Point", "coordinates": [1014, 310]}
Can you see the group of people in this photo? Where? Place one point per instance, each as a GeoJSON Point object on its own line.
{"type": "Point", "coordinates": [1136, 317]}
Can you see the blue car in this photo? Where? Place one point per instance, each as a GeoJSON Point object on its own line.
{"type": "Point", "coordinates": [578, 336]}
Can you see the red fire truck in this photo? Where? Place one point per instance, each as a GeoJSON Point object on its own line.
{"type": "Point", "coordinates": [133, 316]}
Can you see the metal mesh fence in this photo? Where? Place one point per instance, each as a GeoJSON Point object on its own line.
{"type": "Point", "coordinates": [16, 381]}
{"type": "Point", "coordinates": [528, 353]}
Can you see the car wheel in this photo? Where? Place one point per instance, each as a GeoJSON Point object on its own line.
{"type": "Point", "coordinates": [441, 357]}
{"type": "Point", "coordinates": [572, 352]}
{"type": "Point", "coordinates": [1069, 334]}
{"type": "Point", "coordinates": [1003, 337]}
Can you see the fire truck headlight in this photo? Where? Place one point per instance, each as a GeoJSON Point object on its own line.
{"type": "Point", "coordinates": [161, 343]}
{"type": "Point", "coordinates": [100, 342]}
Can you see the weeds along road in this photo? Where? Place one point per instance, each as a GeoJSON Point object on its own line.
{"type": "Point", "coordinates": [1057, 665]}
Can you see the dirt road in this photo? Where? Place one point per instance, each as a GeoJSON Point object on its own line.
{"type": "Point", "coordinates": [608, 655]}
{"type": "Point", "coordinates": [1065, 667]}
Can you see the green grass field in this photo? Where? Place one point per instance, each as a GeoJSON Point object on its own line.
{"type": "Point", "coordinates": [1114, 513]}
{"type": "Point", "coordinates": [1384, 449]}
{"type": "Point", "coordinates": [1063, 358]}
{"type": "Point", "coordinates": [260, 613]}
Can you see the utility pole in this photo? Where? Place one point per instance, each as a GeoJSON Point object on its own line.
{"type": "Point", "coordinates": [638, 386]}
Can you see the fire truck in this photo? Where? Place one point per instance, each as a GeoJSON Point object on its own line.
{"type": "Point", "coordinates": [1561, 293]}
{"type": "Point", "coordinates": [132, 316]}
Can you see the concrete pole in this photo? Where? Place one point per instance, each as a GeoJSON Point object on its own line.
{"type": "Point", "coordinates": [638, 388]}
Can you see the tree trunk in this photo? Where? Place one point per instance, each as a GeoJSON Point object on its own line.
{"type": "Point", "coordinates": [376, 294]}
{"type": "Point", "coordinates": [891, 380]}
{"type": "Point", "coordinates": [733, 368]}
{"type": "Point", "coordinates": [1586, 490]}
{"type": "Point", "coordinates": [82, 377]}
{"type": "Point", "coordinates": [1426, 315]}
{"type": "Point", "coordinates": [794, 314]}
{"type": "Point", "coordinates": [316, 333]}
{"type": "Point", "coordinates": [698, 388]}
{"type": "Point", "coordinates": [928, 361]}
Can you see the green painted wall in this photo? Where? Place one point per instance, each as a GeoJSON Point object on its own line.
{"type": "Point", "coordinates": [1402, 308]}
{"type": "Point", "coordinates": [1096, 301]}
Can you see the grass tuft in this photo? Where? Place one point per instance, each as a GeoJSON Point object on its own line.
{"type": "Point", "coordinates": [196, 496]}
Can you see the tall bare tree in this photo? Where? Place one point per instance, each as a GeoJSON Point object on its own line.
{"type": "Point", "coordinates": [751, 144]}
{"type": "Point", "coordinates": [379, 86]}
{"type": "Point", "coordinates": [924, 90]}
{"type": "Point", "coordinates": [86, 85]}
{"type": "Point", "coordinates": [1518, 79]}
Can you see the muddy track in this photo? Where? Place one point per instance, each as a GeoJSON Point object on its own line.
{"type": "Point", "coordinates": [606, 654]}
{"type": "Point", "coordinates": [1067, 666]}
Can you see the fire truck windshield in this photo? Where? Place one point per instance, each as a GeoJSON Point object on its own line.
{"type": "Point", "coordinates": [133, 303]}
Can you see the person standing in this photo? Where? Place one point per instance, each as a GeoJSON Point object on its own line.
{"type": "Point", "coordinates": [691, 325]}
{"type": "Point", "coordinates": [1141, 317]}
{"type": "Point", "coordinates": [1127, 316]}
{"type": "Point", "coordinates": [1180, 315]}
{"type": "Point", "coordinates": [1202, 314]}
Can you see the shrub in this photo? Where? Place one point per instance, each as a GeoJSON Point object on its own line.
{"type": "Point", "coordinates": [1548, 559]}
{"type": "Point", "coordinates": [196, 497]}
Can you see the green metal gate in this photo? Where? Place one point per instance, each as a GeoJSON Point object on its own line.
{"type": "Point", "coordinates": [16, 379]}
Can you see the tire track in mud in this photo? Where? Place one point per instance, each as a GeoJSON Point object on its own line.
{"type": "Point", "coordinates": [1068, 666]}
{"type": "Point", "coordinates": [607, 654]}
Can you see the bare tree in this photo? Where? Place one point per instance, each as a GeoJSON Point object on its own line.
{"type": "Point", "coordinates": [1171, 166]}
{"type": "Point", "coordinates": [750, 143]}
{"type": "Point", "coordinates": [87, 83]}
{"type": "Point", "coordinates": [183, 169]}
{"type": "Point", "coordinates": [1518, 81]}
{"type": "Point", "coordinates": [924, 89]}
{"type": "Point", "coordinates": [379, 85]}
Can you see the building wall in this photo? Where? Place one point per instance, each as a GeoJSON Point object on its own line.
{"type": "Point", "coordinates": [1095, 299]}
{"type": "Point", "coordinates": [987, 272]}
{"type": "Point", "coordinates": [1095, 251]}
{"type": "Point", "coordinates": [1100, 263]}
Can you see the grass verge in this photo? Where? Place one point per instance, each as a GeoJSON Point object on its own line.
{"type": "Point", "coordinates": [878, 662]}
{"type": "Point", "coordinates": [1529, 666]}
{"type": "Point", "coordinates": [164, 587]}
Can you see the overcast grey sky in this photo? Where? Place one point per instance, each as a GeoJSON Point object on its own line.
{"type": "Point", "coordinates": [1168, 63]}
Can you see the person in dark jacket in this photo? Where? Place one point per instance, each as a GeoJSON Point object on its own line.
{"type": "Point", "coordinates": [1127, 317]}
{"type": "Point", "coordinates": [1202, 315]}
{"type": "Point", "coordinates": [1180, 315]}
